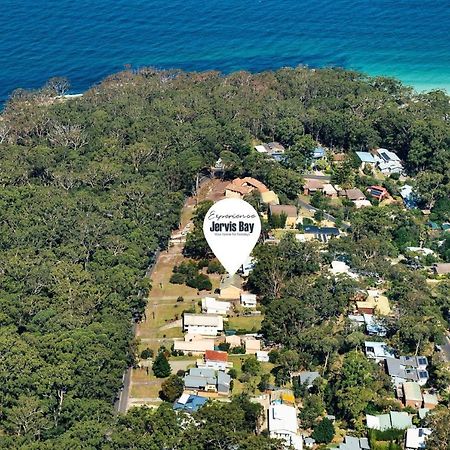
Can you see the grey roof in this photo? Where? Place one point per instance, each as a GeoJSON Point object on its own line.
{"type": "Point", "coordinates": [354, 443]}
{"type": "Point", "coordinates": [396, 368]}
{"type": "Point", "coordinates": [400, 420]}
{"type": "Point", "coordinates": [414, 361]}
{"type": "Point", "coordinates": [308, 377]}
{"type": "Point", "coordinates": [223, 382]}
{"type": "Point", "coordinates": [205, 373]}
{"type": "Point", "coordinates": [191, 381]}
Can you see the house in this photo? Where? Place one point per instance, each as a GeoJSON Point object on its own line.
{"type": "Point", "coordinates": [307, 378]}
{"type": "Point", "coordinates": [354, 443]}
{"type": "Point", "coordinates": [366, 158]}
{"type": "Point", "coordinates": [252, 345]}
{"type": "Point", "coordinates": [378, 192]}
{"type": "Point", "coordinates": [375, 302]}
{"type": "Point", "coordinates": [378, 351]}
{"type": "Point", "coordinates": [216, 360]}
{"type": "Point", "coordinates": [388, 162]}
{"type": "Point", "coordinates": [207, 380]}
{"type": "Point", "coordinates": [273, 149]}
{"type": "Point", "coordinates": [309, 442]}
{"type": "Point", "coordinates": [329, 190]}
{"type": "Point", "coordinates": [247, 266]}
{"type": "Point", "coordinates": [318, 152]}
{"type": "Point", "coordinates": [211, 306]}
{"type": "Point", "coordinates": [354, 194]}
{"type": "Point", "coordinates": [240, 187]}
{"type": "Point", "coordinates": [194, 344]}
{"type": "Point", "coordinates": [203, 324]}
{"type": "Point", "coordinates": [231, 287]}
{"type": "Point", "coordinates": [406, 192]}
{"type": "Point", "coordinates": [262, 356]}
{"type": "Point", "coordinates": [289, 211]}
{"type": "Point", "coordinates": [394, 420]}
{"type": "Point", "coordinates": [341, 268]}
{"type": "Point", "coordinates": [374, 326]}
{"type": "Point", "coordinates": [441, 269]}
{"type": "Point", "coordinates": [412, 396]}
{"type": "Point", "coordinates": [248, 300]}
{"type": "Point", "coordinates": [323, 234]}
{"type": "Point", "coordinates": [403, 369]}
{"type": "Point", "coordinates": [416, 438]}
{"type": "Point", "coordinates": [189, 403]}
{"type": "Point", "coordinates": [234, 340]}
{"type": "Point", "coordinates": [338, 158]}
{"type": "Point", "coordinates": [311, 186]}
{"type": "Point", "coordinates": [282, 424]}
{"type": "Point", "coordinates": [430, 401]}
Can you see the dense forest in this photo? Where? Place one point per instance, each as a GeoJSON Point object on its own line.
{"type": "Point", "coordinates": [91, 187]}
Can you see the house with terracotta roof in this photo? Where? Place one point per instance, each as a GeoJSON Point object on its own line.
{"type": "Point", "coordinates": [374, 303]}
{"type": "Point", "coordinates": [378, 192]}
{"type": "Point", "coordinates": [441, 269]}
{"type": "Point", "coordinates": [214, 359]}
{"type": "Point", "coordinates": [240, 187]}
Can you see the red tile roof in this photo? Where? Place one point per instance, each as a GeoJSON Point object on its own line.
{"type": "Point", "coordinates": [214, 355]}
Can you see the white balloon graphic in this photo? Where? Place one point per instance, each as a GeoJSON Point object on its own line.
{"type": "Point", "coordinates": [232, 228]}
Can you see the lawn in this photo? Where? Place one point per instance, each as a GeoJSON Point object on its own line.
{"type": "Point", "coordinates": [248, 323]}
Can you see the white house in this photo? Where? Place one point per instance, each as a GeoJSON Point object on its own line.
{"type": "Point", "coordinates": [203, 324]}
{"type": "Point", "coordinates": [262, 356]}
{"type": "Point", "coordinates": [388, 162]}
{"type": "Point", "coordinates": [211, 306]}
{"type": "Point", "coordinates": [282, 424]}
{"type": "Point", "coordinates": [193, 344]}
{"type": "Point", "coordinates": [416, 438]}
{"type": "Point", "coordinates": [248, 300]}
{"type": "Point", "coordinates": [378, 351]}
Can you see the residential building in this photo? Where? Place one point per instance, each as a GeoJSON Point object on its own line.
{"type": "Point", "coordinates": [354, 194]}
{"type": "Point", "coordinates": [374, 325]}
{"type": "Point", "coordinates": [388, 162]}
{"type": "Point", "coordinates": [407, 194]}
{"type": "Point", "coordinates": [216, 360]}
{"type": "Point", "coordinates": [211, 306]}
{"type": "Point", "coordinates": [378, 192]}
{"type": "Point", "coordinates": [393, 420]}
{"type": "Point", "coordinates": [262, 356]}
{"type": "Point", "coordinates": [247, 266]}
{"type": "Point", "coordinates": [378, 351]}
{"type": "Point", "coordinates": [189, 403]}
{"type": "Point", "coordinates": [241, 187]}
{"type": "Point", "coordinates": [401, 371]}
{"type": "Point", "coordinates": [194, 344]}
{"type": "Point", "coordinates": [412, 396]}
{"type": "Point", "coordinates": [430, 401]}
{"type": "Point", "coordinates": [416, 438]}
{"type": "Point", "coordinates": [441, 269]}
{"type": "Point", "coordinates": [341, 268]}
{"type": "Point", "coordinates": [282, 424]}
{"type": "Point", "coordinates": [234, 340]}
{"type": "Point", "coordinates": [202, 324]}
{"type": "Point", "coordinates": [354, 443]}
{"type": "Point", "coordinates": [318, 152]}
{"type": "Point", "coordinates": [322, 234]}
{"type": "Point", "coordinates": [248, 300]}
{"type": "Point", "coordinates": [374, 303]}
{"type": "Point", "coordinates": [312, 185]}
{"type": "Point", "coordinates": [273, 149]}
{"type": "Point", "coordinates": [309, 442]}
{"type": "Point", "coordinates": [307, 378]}
{"type": "Point", "coordinates": [329, 190]}
{"type": "Point", "coordinates": [231, 287]}
{"type": "Point", "coordinates": [252, 346]}
{"type": "Point", "coordinates": [207, 380]}
{"type": "Point", "coordinates": [366, 158]}
{"type": "Point", "coordinates": [289, 211]}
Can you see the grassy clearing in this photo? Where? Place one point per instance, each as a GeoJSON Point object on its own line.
{"type": "Point", "coordinates": [248, 323]}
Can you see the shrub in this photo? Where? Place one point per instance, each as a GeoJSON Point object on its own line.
{"type": "Point", "coordinates": [161, 367]}
{"type": "Point", "coordinates": [323, 432]}
{"type": "Point", "coordinates": [147, 353]}
{"type": "Point", "coordinates": [177, 278]}
{"type": "Point", "coordinates": [171, 388]}
{"type": "Point", "coordinates": [180, 299]}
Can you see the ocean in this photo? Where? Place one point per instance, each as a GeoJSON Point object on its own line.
{"type": "Point", "coordinates": [87, 40]}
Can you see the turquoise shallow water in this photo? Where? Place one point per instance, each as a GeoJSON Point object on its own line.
{"type": "Point", "coordinates": [86, 40]}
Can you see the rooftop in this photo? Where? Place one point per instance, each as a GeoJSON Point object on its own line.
{"type": "Point", "coordinates": [289, 210]}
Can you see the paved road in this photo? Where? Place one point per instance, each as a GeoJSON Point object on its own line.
{"type": "Point", "coordinates": [317, 177]}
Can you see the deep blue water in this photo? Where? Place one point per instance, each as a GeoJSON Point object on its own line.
{"type": "Point", "coordinates": [87, 40]}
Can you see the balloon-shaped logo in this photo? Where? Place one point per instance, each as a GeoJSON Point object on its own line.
{"type": "Point", "coordinates": [232, 228]}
